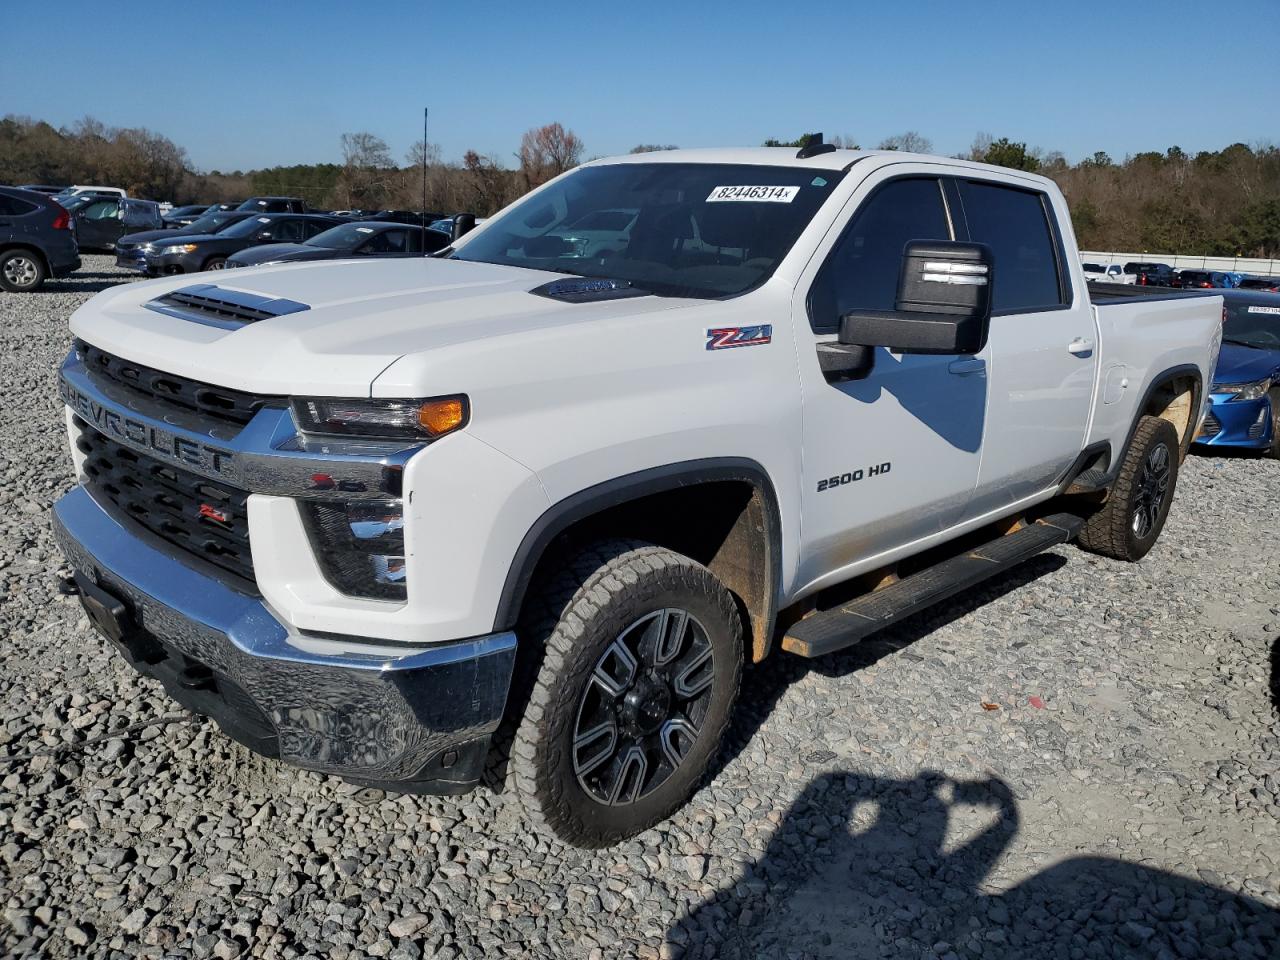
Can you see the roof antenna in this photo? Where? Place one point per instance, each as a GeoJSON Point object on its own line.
{"type": "Point", "coordinates": [814, 147]}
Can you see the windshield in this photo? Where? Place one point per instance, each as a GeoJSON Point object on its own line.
{"type": "Point", "coordinates": [214, 222]}
{"type": "Point", "coordinates": [71, 204]}
{"type": "Point", "coordinates": [1255, 324]}
{"type": "Point", "coordinates": [679, 229]}
{"type": "Point", "coordinates": [343, 237]}
{"type": "Point", "coordinates": [1093, 268]}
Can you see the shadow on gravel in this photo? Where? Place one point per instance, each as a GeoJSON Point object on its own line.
{"type": "Point", "coordinates": [762, 688]}
{"type": "Point", "coordinates": [78, 284]}
{"type": "Point", "coordinates": [901, 877]}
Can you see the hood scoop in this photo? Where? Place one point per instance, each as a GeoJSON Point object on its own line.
{"type": "Point", "coordinates": [588, 290]}
{"type": "Point", "coordinates": [215, 306]}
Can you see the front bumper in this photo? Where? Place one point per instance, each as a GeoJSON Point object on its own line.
{"type": "Point", "coordinates": [416, 719]}
{"type": "Point", "coordinates": [134, 259]}
{"type": "Point", "coordinates": [1237, 423]}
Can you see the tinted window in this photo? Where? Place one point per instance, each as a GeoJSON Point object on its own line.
{"type": "Point", "coordinates": [287, 231]}
{"type": "Point", "coordinates": [1014, 224]}
{"type": "Point", "coordinates": [389, 241]}
{"type": "Point", "coordinates": [861, 273]}
{"type": "Point", "coordinates": [13, 207]}
{"type": "Point", "coordinates": [434, 240]}
{"type": "Point", "coordinates": [102, 210]}
{"type": "Point", "coordinates": [313, 227]}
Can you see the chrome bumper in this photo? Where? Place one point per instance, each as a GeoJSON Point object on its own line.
{"type": "Point", "coordinates": [416, 719]}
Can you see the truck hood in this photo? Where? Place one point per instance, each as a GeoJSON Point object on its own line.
{"type": "Point", "coordinates": [360, 316]}
{"type": "Point", "coordinates": [1237, 364]}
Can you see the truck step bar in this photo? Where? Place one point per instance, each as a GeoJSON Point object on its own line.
{"type": "Point", "coordinates": [849, 623]}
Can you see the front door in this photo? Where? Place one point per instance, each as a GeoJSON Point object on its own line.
{"type": "Point", "coordinates": [1043, 346]}
{"type": "Point", "coordinates": [891, 457]}
{"type": "Point", "coordinates": [98, 224]}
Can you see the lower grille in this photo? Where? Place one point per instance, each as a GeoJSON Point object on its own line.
{"type": "Point", "coordinates": [1212, 426]}
{"type": "Point", "coordinates": [207, 519]}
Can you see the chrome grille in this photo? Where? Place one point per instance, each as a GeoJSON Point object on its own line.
{"type": "Point", "coordinates": [208, 520]}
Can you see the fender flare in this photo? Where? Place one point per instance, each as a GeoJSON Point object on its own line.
{"type": "Point", "coordinates": [633, 486]}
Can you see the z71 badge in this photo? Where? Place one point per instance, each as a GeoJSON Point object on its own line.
{"type": "Point", "coordinates": [722, 338]}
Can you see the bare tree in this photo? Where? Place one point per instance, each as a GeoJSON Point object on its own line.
{"type": "Point", "coordinates": [547, 152]}
{"type": "Point", "coordinates": [367, 171]}
{"type": "Point", "coordinates": [909, 142]}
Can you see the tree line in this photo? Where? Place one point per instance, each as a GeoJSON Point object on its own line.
{"type": "Point", "coordinates": [1215, 203]}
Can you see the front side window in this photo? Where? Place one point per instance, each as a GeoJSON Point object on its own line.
{"type": "Point", "coordinates": [674, 229]}
{"type": "Point", "coordinates": [287, 231]}
{"type": "Point", "coordinates": [1015, 225]}
{"type": "Point", "coordinates": [102, 210]}
{"type": "Point", "coordinates": [861, 272]}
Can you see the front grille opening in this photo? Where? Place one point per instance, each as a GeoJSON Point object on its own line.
{"type": "Point", "coordinates": [170, 503]}
{"type": "Point", "coordinates": [232, 406]}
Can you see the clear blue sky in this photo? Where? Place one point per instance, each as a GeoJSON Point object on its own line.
{"type": "Point", "coordinates": [251, 84]}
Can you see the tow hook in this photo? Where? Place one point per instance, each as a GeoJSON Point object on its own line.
{"type": "Point", "coordinates": [68, 587]}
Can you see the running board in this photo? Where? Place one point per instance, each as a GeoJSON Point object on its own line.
{"type": "Point", "coordinates": [845, 625]}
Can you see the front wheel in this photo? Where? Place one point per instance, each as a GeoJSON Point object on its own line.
{"type": "Point", "coordinates": [215, 263]}
{"type": "Point", "coordinates": [1129, 523]}
{"type": "Point", "coordinates": [642, 658]}
{"type": "Point", "coordinates": [1273, 451]}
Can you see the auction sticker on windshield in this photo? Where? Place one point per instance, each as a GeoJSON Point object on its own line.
{"type": "Point", "coordinates": [1264, 309]}
{"type": "Point", "coordinates": [753, 194]}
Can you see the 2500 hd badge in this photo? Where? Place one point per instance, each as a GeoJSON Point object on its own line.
{"type": "Point", "coordinates": [853, 476]}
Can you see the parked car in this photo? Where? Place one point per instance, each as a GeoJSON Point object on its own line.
{"type": "Point", "coordinates": [800, 371]}
{"type": "Point", "coordinates": [84, 188]}
{"type": "Point", "coordinates": [363, 238]}
{"type": "Point", "coordinates": [1267, 284]}
{"type": "Point", "coordinates": [132, 248]}
{"type": "Point", "coordinates": [1151, 274]}
{"type": "Point", "coordinates": [36, 241]}
{"type": "Point", "coordinates": [103, 220]}
{"type": "Point", "coordinates": [1106, 273]}
{"type": "Point", "coordinates": [274, 205]}
{"type": "Point", "coordinates": [185, 215]}
{"type": "Point", "coordinates": [401, 216]}
{"type": "Point", "coordinates": [195, 252]}
{"type": "Point", "coordinates": [42, 188]}
{"type": "Point", "coordinates": [1206, 280]}
{"type": "Point", "coordinates": [1245, 395]}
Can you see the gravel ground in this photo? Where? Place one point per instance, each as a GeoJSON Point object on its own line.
{"type": "Point", "coordinates": [1122, 799]}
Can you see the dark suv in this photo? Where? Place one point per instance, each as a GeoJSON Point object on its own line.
{"type": "Point", "coordinates": [1151, 274]}
{"type": "Point", "coordinates": [36, 241]}
{"type": "Point", "coordinates": [274, 205]}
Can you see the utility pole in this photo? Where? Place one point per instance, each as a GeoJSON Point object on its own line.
{"type": "Point", "coordinates": [426, 113]}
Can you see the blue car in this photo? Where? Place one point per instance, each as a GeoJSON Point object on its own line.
{"type": "Point", "coordinates": [1245, 396]}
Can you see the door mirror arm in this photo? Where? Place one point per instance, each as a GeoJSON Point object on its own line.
{"type": "Point", "coordinates": [845, 361]}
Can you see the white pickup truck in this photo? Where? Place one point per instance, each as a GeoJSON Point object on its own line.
{"type": "Point", "coordinates": [530, 504]}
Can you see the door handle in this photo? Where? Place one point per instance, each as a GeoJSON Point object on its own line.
{"type": "Point", "coordinates": [968, 367]}
{"type": "Point", "coordinates": [1080, 347]}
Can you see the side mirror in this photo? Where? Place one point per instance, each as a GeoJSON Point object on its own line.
{"type": "Point", "coordinates": [943, 305]}
{"type": "Point", "coordinates": [463, 224]}
{"type": "Point", "coordinates": [264, 236]}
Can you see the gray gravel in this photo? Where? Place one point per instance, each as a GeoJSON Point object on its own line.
{"type": "Point", "coordinates": [1122, 800]}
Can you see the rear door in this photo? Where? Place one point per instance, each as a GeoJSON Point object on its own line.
{"type": "Point", "coordinates": [1043, 344]}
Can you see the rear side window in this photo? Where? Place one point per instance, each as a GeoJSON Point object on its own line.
{"type": "Point", "coordinates": [13, 207]}
{"type": "Point", "coordinates": [315, 227]}
{"type": "Point", "coordinates": [861, 272]}
{"type": "Point", "coordinates": [287, 230]}
{"type": "Point", "coordinates": [1015, 225]}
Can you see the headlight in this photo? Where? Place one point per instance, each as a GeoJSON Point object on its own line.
{"type": "Point", "coordinates": [384, 419]}
{"type": "Point", "coordinates": [179, 248]}
{"type": "Point", "coordinates": [1244, 391]}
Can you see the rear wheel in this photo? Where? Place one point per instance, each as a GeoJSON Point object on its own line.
{"type": "Point", "coordinates": [642, 658]}
{"type": "Point", "coordinates": [21, 271]}
{"type": "Point", "coordinates": [1129, 523]}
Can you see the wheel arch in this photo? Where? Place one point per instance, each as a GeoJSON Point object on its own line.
{"type": "Point", "coordinates": [738, 535]}
{"type": "Point", "coordinates": [9, 246]}
{"type": "Point", "coordinates": [1175, 395]}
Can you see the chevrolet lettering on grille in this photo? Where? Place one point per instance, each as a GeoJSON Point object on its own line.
{"type": "Point", "coordinates": [140, 435]}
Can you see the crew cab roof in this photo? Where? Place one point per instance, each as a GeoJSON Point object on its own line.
{"type": "Point", "coordinates": [786, 157]}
